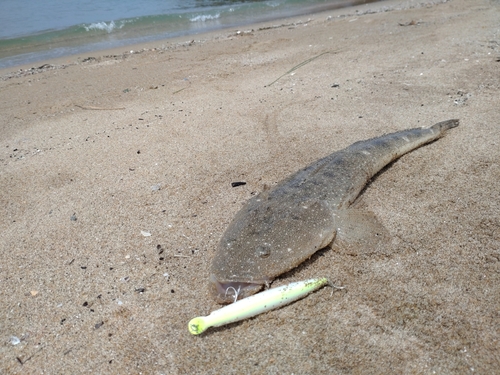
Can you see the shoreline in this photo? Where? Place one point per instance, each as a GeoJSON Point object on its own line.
{"type": "Point", "coordinates": [117, 171]}
{"type": "Point", "coordinates": [70, 41]}
{"type": "Point", "coordinates": [335, 11]}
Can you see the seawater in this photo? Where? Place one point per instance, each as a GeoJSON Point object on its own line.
{"type": "Point", "coordinates": [37, 30]}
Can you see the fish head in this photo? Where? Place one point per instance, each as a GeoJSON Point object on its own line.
{"type": "Point", "coordinates": [266, 238]}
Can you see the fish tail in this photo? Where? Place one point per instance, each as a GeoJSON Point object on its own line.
{"type": "Point", "coordinates": [441, 127]}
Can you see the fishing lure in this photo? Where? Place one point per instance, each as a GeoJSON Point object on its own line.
{"type": "Point", "coordinates": [257, 304]}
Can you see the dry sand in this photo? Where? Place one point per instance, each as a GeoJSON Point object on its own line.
{"type": "Point", "coordinates": [86, 292]}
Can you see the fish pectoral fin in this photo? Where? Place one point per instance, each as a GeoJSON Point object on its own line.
{"type": "Point", "coordinates": [359, 232]}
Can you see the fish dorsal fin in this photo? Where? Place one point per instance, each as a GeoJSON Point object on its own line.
{"type": "Point", "coordinates": [359, 232]}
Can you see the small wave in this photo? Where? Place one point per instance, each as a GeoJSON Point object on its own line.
{"type": "Point", "coordinates": [204, 17]}
{"type": "Point", "coordinates": [109, 27]}
{"type": "Point", "coordinates": [273, 4]}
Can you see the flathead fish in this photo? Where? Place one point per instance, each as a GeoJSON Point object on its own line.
{"type": "Point", "coordinates": [280, 228]}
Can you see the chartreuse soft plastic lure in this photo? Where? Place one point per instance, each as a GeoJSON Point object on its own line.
{"type": "Point", "coordinates": [257, 304]}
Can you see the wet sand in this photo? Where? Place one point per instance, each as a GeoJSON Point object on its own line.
{"type": "Point", "coordinates": [116, 173]}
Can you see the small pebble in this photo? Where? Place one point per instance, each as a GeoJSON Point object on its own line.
{"type": "Point", "coordinates": [239, 183]}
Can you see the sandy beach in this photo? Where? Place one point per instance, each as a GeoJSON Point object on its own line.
{"type": "Point", "coordinates": [115, 188]}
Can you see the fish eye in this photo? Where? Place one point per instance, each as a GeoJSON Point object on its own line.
{"type": "Point", "coordinates": [263, 251]}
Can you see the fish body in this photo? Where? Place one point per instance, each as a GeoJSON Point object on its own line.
{"type": "Point", "coordinates": [278, 229]}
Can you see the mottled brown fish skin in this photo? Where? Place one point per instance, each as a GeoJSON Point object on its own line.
{"type": "Point", "coordinates": [280, 228]}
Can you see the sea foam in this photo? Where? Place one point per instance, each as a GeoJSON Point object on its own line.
{"type": "Point", "coordinates": [109, 27]}
{"type": "Point", "coordinates": [204, 17]}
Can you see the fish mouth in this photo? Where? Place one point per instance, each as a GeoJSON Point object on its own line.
{"type": "Point", "coordinates": [231, 291]}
